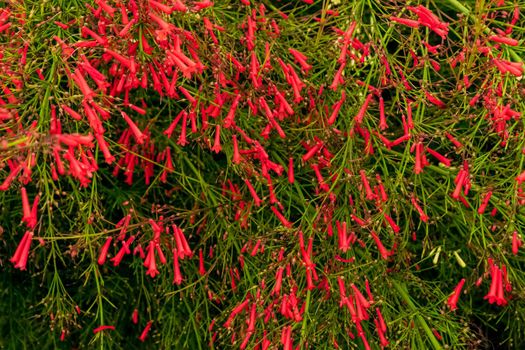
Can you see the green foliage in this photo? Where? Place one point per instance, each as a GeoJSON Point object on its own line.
{"type": "Point", "coordinates": [66, 292]}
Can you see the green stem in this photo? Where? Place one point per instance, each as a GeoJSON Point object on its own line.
{"type": "Point", "coordinates": [401, 288]}
{"type": "Point", "coordinates": [305, 316]}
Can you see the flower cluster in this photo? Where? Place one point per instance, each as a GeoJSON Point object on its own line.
{"type": "Point", "coordinates": [260, 174]}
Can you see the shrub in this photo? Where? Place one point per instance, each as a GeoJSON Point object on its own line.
{"type": "Point", "coordinates": [261, 174]}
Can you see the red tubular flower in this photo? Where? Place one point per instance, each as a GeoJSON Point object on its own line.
{"type": "Point", "coordinates": [157, 229]}
{"type": "Point", "coordinates": [202, 270]}
{"type": "Point", "coordinates": [430, 20]}
{"type": "Point", "coordinates": [361, 314]}
{"type": "Point", "coordinates": [67, 51]}
{"type": "Point", "coordinates": [182, 137]}
{"type": "Point", "coordinates": [282, 101]}
{"type": "Point", "coordinates": [124, 250]}
{"type": "Point", "coordinates": [382, 323]}
{"type": "Point", "coordinates": [127, 28]}
{"type": "Point", "coordinates": [104, 148]}
{"type": "Point", "coordinates": [179, 6]}
{"type": "Point", "coordinates": [382, 250]}
{"type": "Point", "coordinates": [86, 44]}
{"type": "Point", "coordinates": [382, 192]}
{"type": "Point", "coordinates": [9, 179]}
{"type": "Point", "coordinates": [161, 7]}
{"type": "Point", "coordinates": [348, 261]}
{"type": "Point", "coordinates": [520, 178]}
{"type": "Point", "coordinates": [342, 239]}
{"type": "Point", "coordinates": [500, 297]}
{"type": "Point", "coordinates": [59, 165]}
{"type": "Point", "coordinates": [400, 140]}
{"type": "Point", "coordinates": [135, 316]}
{"type": "Point", "coordinates": [5, 26]}
{"type": "Point", "coordinates": [177, 276]}
{"type": "Point", "coordinates": [495, 294]}
{"type": "Point", "coordinates": [236, 155]}
{"type": "Point", "coordinates": [88, 32]}
{"type": "Point", "coordinates": [139, 136]}
{"type": "Point", "coordinates": [338, 79]}
{"type": "Point", "coordinates": [173, 124]}
{"type": "Point", "coordinates": [418, 168]}
{"type": "Point", "coordinates": [104, 6]}
{"type": "Point", "coordinates": [336, 108]}
{"type": "Point", "coordinates": [361, 114]}
{"type": "Point", "coordinates": [506, 282]}
{"type": "Point", "coordinates": [244, 343]}
{"type": "Point", "coordinates": [74, 140]}
{"type": "Point", "coordinates": [103, 328]}
{"type": "Point", "coordinates": [250, 34]}
{"type": "Point", "coordinates": [474, 100]}
{"type": "Point", "coordinates": [137, 109]}
{"type": "Point", "coordinates": [138, 250]}
{"type": "Point", "coordinates": [104, 251]}
{"type": "Point", "coordinates": [484, 203]}
{"type": "Point", "coordinates": [382, 117]}
{"type": "Point", "coordinates": [123, 224]}
{"type": "Point", "coordinates": [382, 338]}
{"type": "Point", "coordinates": [442, 159]}
{"type": "Point", "coordinates": [253, 252]}
{"type": "Point", "coordinates": [168, 167]}
{"type": "Point", "coordinates": [514, 68]}
{"type": "Point", "coordinates": [452, 139]}
{"type": "Point", "coordinates": [278, 281]}
{"type": "Point", "coordinates": [162, 258]}
{"type": "Point", "coordinates": [150, 261]}
{"type": "Point", "coordinates": [297, 84]}
{"type": "Point", "coordinates": [291, 177]}
{"type": "Point", "coordinates": [34, 210]}
{"type": "Point", "coordinates": [460, 179]}
{"type": "Point", "coordinates": [454, 297]}
{"type": "Point", "coordinates": [26, 210]}
{"type": "Point", "coordinates": [255, 197]}
{"type": "Point", "coordinates": [365, 341]}
{"type": "Point", "coordinates": [182, 244]}
{"type": "Point", "coordinates": [359, 296]}
{"type": "Point", "coordinates": [464, 202]}
{"type": "Point", "coordinates": [254, 71]}
{"type": "Point", "coordinates": [253, 314]}
{"type": "Point", "coordinates": [369, 193]}
{"type": "Point", "coordinates": [301, 59]}
{"type": "Point", "coordinates": [145, 332]}
{"type": "Point", "coordinates": [320, 179]}
{"type": "Point", "coordinates": [217, 142]}
{"type": "Point", "coordinates": [422, 214]}
{"type": "Point", "coordinates": [392, 223]}
{"type": "Point", "coordinates": [22, 251]}
{"type": "Point", "coordinates": [369, 292]}
{"type": "Point", "coordinates": [229, 120]}
{"type": "Point", "coordinates": [434, 100]}
{"type": "Point", "coordinates": [516, 243]}
{"type": "Point", "coordinates": [78, 78]}
{"type": "Point", "coordinates": [93, 119]}
{"type": "Point", "coordinates": [358, 220]}
{"type": "Point", "coordinates": [503, 40]}
{"type": "Point", "coordinates": [265, 343]}
{"type": "Point", "coordinates": [405, 21]}
{"type": "Point", "coordinates": [121, 59]}
{"type": "Point", "coordinates": [281, 217]}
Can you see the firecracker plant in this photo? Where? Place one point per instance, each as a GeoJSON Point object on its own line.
{"type": "Point", "coordinates": [262, 174]}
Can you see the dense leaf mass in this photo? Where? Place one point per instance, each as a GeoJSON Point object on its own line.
{"type": "Point", "coordinates": [262, 174]}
